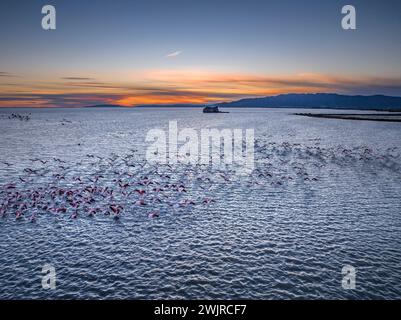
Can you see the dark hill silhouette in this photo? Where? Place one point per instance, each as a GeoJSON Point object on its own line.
{"type": "Point", "coordinates": [320, 101]}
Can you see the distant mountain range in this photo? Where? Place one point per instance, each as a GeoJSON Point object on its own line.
{"type": "Point", "coordinates": [320, 101]}
{"type": "Point", "coordinates": [175, 105]}
{"type": "Point", "coordinates": [308, 101]}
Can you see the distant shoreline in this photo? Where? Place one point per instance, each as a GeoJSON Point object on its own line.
{"type": "Point", "coordinates": [384, 117]}
{"type": "Point", "coordinates": [390, 111]}
{"type": "Point", "coordinates": [299, 101]}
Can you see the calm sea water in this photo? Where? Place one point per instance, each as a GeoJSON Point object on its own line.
{"type": "Point", "coordinates": [324, 194]}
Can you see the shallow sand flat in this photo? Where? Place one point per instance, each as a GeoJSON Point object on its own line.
{"type": "Point", "coordinates": [395, 117]}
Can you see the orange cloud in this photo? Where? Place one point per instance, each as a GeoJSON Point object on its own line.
{"type": "Point", "coordinates": [180, 86]}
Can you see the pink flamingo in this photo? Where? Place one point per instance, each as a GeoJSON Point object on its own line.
{"type": "Point", "coordinates": [141, 192]}
{"type": "Point", "coordinates": [153, 214]}
{"type": "Point", "coordinates": [140, 202]}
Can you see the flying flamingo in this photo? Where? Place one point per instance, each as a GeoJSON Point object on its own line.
{"type": "Point", "coordinates": [153, 214]}
{"type": "Point", "coordinates": [141, 192]}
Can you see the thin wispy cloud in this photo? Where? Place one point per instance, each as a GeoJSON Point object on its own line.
{"type": "Point", "coordinates": [6, 74]}
{"type": "Point", "coordinates": [77, 78]}
{"type": "Point", "coordinates": [173, 54]}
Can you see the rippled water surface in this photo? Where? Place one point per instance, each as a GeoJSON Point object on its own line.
{"type": "Point", "coordinates": [324, 194]}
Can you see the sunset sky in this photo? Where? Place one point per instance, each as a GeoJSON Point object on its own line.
{"type": "Point", "coordinates": [194, 51]}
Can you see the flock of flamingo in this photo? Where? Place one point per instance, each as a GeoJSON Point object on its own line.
{"type": "Point", "coordinates": [21, 117]}
{"type": "Point", "coordinates": [116, 186]}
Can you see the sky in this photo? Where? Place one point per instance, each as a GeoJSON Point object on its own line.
{"type": "Point", "coordinates": [134, 52]}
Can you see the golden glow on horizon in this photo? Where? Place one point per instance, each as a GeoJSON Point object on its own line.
{"type": "Point", "coordinates": [170, 86]}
